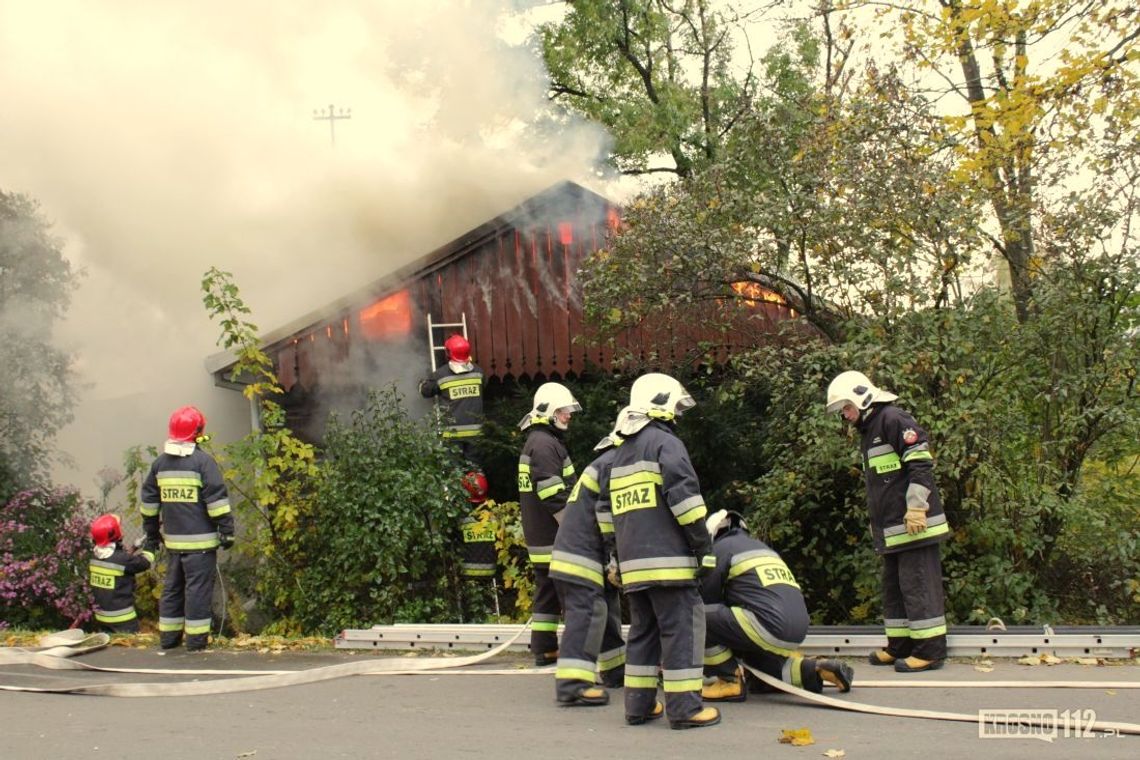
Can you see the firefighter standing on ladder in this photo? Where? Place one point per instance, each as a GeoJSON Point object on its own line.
{"type": "Point", "coordinates": [186, 506]}
{"type": "Point", "coordinates": [545, 477]}
{"type": "Point", "coordinates": [460, 383]}
{"type": "Point", "coordinates": [907, 522]}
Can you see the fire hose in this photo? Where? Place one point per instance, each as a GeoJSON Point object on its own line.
{"type": "Point", "coordinates": [61, 647]}
{"type": "Point", "coordinates": [57, 650]}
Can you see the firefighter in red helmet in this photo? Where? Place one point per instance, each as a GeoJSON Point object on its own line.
{"type": "Point", "coordinates": [460, 383]}
{"type": "Point", "coordinates": [186, 506]}
{"type": "Point", "coordinates": [111, 573]}
{"type": "Point", "coordinates": [479, 529]}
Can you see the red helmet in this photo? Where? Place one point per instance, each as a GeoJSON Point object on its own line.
{"type": "Point", "coordinates": [458, 349]}
{"type": "Point", "coordinates": [475, 483]}
{"type": "Point", "coordinates": [186, 424]}
{"type": "Point", "coordinates": [106, 530]}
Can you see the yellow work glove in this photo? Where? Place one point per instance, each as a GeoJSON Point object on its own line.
{"type": "Point", "coordinates": [915, 520]}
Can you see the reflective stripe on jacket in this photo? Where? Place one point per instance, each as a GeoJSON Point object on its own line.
{"type": "Point", "coordinates": [546, 476]}
{"type": "Point", "coordinates": [579, 552]}
{"type": "Point", "coordinates": [658, 512]}
{"type": "Point", "coordinates": [186, 497]}
{"type": "Point", "coordinates": [897, 459]}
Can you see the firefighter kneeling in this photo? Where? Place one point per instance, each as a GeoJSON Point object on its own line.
{"type": "Point", "coordinates": [755, 612]}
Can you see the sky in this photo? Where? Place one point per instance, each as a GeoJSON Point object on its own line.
{"type": "Point", "coordinates": [163, 139]}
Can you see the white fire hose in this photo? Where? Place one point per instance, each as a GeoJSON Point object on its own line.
{"type": "Point", "coordinates": [57, 650]}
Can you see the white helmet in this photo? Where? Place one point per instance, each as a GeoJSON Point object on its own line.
{"type": "Point", "coordinates": [548, 399]}
{"type": "Point", "coordinates": [715, 521]}
{"type": "Point", "coordinates": [659, 397]}
{"type": "Point", "coordinates": [615, 436]}
{"type": "Point", "coordinates": [854, 388]}
{"type": "Point", "coordinates": [723, 519]}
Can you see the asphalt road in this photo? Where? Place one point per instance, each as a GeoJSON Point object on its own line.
{"type": "Point", "coordinates": [515, 716]}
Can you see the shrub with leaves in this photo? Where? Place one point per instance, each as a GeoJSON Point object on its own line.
{"type": "Point", "coordinates": [44, 550]}
{"type": "Point", "coordinates": [383, 544]}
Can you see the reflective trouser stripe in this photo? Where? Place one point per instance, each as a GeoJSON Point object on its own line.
{"type": "Point", "coordinates": [198, 626]}
{"type": "Point", "coordinates": [115, 616]}
{"type": "Point", "coordinates": [171, 624]}
{"type": "Point", "coordinates": [715, 655]}
{"type": "Point", "coordinates": [760, 635]}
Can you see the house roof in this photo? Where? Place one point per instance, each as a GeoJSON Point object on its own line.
{"type": "Point", "coordinates": [564, 194]}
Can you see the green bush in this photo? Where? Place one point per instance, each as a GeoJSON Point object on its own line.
{"type": "Point", "coordinates": [383, 544]}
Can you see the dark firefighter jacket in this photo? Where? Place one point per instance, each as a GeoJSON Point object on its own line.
{"type": "Point", "coordinates": [897, 465]}
{"type": "Point", "coordinates": [464, 395]}
{"type": "Point", "coordinates": [657, 510]}
{"type": "Point", "coordinates": [113, 583]}
{"type": "Point", "coordinates": [187, 498]}
{"type": "Point", "coordinates": [579, 554]}
{"type": "Point", "coordinates": [751, 575]}
{"type": "Point", "coordinates": [479, 528]}
{"type": "Point", "coordinates": [546, 476]}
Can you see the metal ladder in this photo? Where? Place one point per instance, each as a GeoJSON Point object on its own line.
{"type": "Point", "coordinates": [433, 326]}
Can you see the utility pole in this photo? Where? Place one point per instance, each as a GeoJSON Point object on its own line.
{"type": "Point", "coordinates": [331, 115]}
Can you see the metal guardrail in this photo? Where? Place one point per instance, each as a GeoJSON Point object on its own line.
{"type": "Point", "coordinates": [962, 641]}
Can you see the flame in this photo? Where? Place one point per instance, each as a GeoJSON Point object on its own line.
{"type": "Point", "coordinates": [390, 317]}
{"type": "Point", "coordinates": [753, 294]}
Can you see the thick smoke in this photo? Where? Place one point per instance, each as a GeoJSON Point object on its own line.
{"type": "Point", "coordinates": [166, 138]}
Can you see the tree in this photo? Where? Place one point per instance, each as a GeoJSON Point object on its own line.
{"type": "Point", "coordinates": [1050, 98]}
{"type": "Point", "coordinates": [36, 377]}
{"type": "Point", "coordinates": [657, 73]}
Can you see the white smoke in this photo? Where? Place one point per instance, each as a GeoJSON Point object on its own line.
{"type": "Point", "coordinates": [166, 138]}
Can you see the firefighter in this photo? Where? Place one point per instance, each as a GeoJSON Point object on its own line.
{"type": "Point", "coordinates": [657, 515]}
{"type": "Point", "coordinates": [591, 639]}
{"type": "Point", "coordinates": [478, 529]}
{"type": "Point", "coordinates": [185, 506]}
{"type": "Point", "coordinates": [755, 612]}
{"type": "Point", "coordinates": [460, 383]}
{"type": "Point", "coordinates": [112, 575]}
{"type": "Point", "coordinates": [907, 522]}
{"type": "Point", "coordinates": [546, 476]}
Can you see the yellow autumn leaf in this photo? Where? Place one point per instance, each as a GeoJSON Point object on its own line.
{"type": "Point", "coordinates": [797, 737]}
{"type": "Point", "coordinates": [835, 753]}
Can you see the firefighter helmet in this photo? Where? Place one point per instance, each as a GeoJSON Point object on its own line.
{"type": "Point", "coordinates": [186, 424]}
{"type": "Point", "coordinates": [475, 484]}
{"type": "Point", "coordinates": [722, 520]}
{"type": "Point", "coordinates": [458, 349]}
{"type": "Point", "coordinates": [548, 399]}
{"type": "Point", "coordinates": [659, 397]}
{"type": "Point", "coordinates": [856, 389]}
{"type": "Point", "coordinates": [106, 530]}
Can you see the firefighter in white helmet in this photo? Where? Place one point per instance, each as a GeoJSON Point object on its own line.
{"type": "Point", "coordinates": [755, 614]}
{"type": "Point", "coordinates": [907, 522]}
{"type": "Point", "coordinates": [545, 478]}
{"type": "Point", "coordinates": [583, 573]}
{"type": "Point", "coordinates": [662, 544]}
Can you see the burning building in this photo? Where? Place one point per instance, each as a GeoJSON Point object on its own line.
{"type": "Point", "coordinates": [511, 281]}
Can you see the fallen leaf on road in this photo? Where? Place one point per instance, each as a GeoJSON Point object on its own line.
{"type": "Point", "coordinates": [1050, 659]}
{"type": "Point", "coordinates": [835, 753]}
{"type": "Point", "coordinates": [251, 753]}
{"type": "Point", "coordinates": [797, 737]}
{"type": "Point", "coordinates": [1029, 660]}
{"type": "Point", "coordinates": [1111, 692]}
{"type": "Point", "coordinates": [983, 669]}
{"type": "Point", "coordinates": [1088, 661]}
